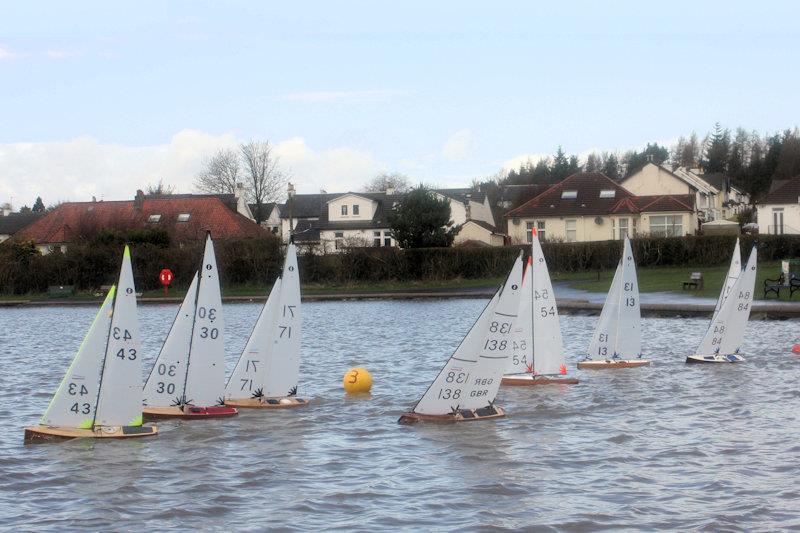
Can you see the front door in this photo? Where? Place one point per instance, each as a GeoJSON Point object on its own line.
{"type": "Point", "coordinates": [777, 222]}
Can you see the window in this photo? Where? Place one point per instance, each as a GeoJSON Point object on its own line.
{"type": "Point", "coordinates": [154, 218]}
{"type": "Point", "coordinates": [569, 195]}
{"type": "Point", "coordinates": [571, 231]}
{"type": "Point", "coordinates": [666, 226]}
{"type": "Point", "coordinates": [344, 210]}
{"type": "Point", "coordinates": [376, 238]}
{"type": "Point", "coordinates": [777, 221]}
{"type": "Point", "coordinates": [387, 238]}
{"type": "Point", "coordinates": [184, 217]}
{"type": "Point", "coordinates": [339, 237]}
{"type": "Point", "coordinates": [623, 228]}
{"type": "Point", "coordinates": [608, 193]}
{"type": "Point", "coordinates": [540, 229]}
{"type": "Point", "coordinates": [528, 231]}
{"type": "Point", "coordinates": [355, 209]}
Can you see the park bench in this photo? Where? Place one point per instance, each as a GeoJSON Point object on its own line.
{"type": "Point", "coordinates": [60, 291]}
{"type": "Point", "coordinates": [695, 281]}
{"type": "Point", "coordinates": [775, 285]}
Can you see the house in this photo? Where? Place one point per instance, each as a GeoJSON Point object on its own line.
{"type": "Point", "coordinates": [12, 223]}
{"type": "Point", "coordinates": [779, 211]}
{"type": "Point", "coordinates": [589, 206]}
{"type": "Point", "coordinates": [478, 231]}
{"type": "Point", "coordinates": [332, 221]}
{"type": "Point", "coordinates": [715, 196]}
{"type": "Point", "coordinates": [183, 216]}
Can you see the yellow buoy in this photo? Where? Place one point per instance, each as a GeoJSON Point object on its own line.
{"type": "Point", "coordinates": [357, 381]}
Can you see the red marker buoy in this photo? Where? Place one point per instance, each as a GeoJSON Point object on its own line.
{"type": "Point", "coordinates": [796, 349]}
{"type": "Point", "coordinates": [166, 277]}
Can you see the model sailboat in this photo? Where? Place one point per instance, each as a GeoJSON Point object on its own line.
{"type": "Point", "coordinates": [188, 377]}
{"type": "Point", "coordinates": [101, 393]}
{"type": "Point", "coordinates": [466, 387]}
{"type": "Point", "coordinates": [268, 369]}
{"type": "Point", "coordinates": [538, 348]}
{"type": "Point", "coordinates": [617, 339]}
{"type": "Point", "coordinates": [723, 339]}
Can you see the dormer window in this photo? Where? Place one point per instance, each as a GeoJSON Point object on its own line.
{"type": "Point", "coordinates": [569, 195]}
{"type": "Point", "coordinates": [183, 217]}
{"type": "Point", "coordinates": [608, 193]}
{"type": "Point", "coordinates": [344, 210]}
{"type": "Point", "coordinates": [355, 209]}
{"type": "Point", "coordinates": [154, 218]}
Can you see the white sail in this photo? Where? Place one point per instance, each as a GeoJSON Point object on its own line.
{"type": "Point", "coordinates": [521, 360]}
{"type": "Point", "coordinates": [734, 271]}
{"type": "Point", "coordinates": [164, 387]}
{"type": "Point", "coordinates": [495, 353]}
{"type": "Point", "coordinates": [248, 375]}
{"type": "Point", "coordinates": [471, 377]}
{"type": "Point", "coordinates": [120, 396]}
{"type": "Point", "coordinates": [283, 357]}
{"type": "Point", "coordinates": [74, 403]}
{"type": "Point", "coordinates": [205, 374]}
{"type": "Point", "coordinates": [604, 339]}
{"type": "Point", "coordinates": [629, 335]}
{"type": "Point", "coordinates": [548, 346]}
{"type": "Point", "coordinates": [741, 302]}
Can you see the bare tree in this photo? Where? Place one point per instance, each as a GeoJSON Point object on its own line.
{"type": "Point", "coordinates": [388, 180]}
{"type": "Point", "coordinates": [157, 188]}
{"type": "Point", "coordinates": [220, 173]}
{"type": "Point", "coordinates": [264, 179]}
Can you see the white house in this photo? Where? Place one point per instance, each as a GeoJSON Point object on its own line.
{"type": "Point", "coordinates": [779, 211]}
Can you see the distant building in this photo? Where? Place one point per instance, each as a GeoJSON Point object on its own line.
{"type": "Point", "coordinates": [715, 196]}
{"type": "Point", "coordinates": [332, 221]}
{"type": "Point", "coordinates": [779, 211]}
{"type": "Point", "coordinates": [12, 223]}
{"type": "Point", "coordinates": [184, 217]}
{"type": "Point", "coordinates": [588, 206]}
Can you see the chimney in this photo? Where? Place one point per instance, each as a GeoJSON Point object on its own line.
{"type": "Point", "coordinates": [239, 192]}
{"type": "Point", "coordinates": [94, 199]}
{"type": "Point", "coordinates": [649, 158]}
{"type": "Point", "coordinates": [138, 202]}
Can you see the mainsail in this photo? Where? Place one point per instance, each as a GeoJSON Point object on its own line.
{"type": "Point", "coordinates": [120, 392]}
{"type": "Point", "coordinates": [618, 333]}
{"type": "Point", "coordinates": [269, 365]}
{"type": "Point", "coordinates": [205, 372]}
{"type": "Point", "coordinates": [734, 271]}
{"type": "Point", "coordinates": [521, 361]}
{"type": "Point", "coordinates": [471, 377]}
{"type": "Point", "coordinates": [548, 345]}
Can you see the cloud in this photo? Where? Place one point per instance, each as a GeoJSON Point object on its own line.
{"type": "Point", "coordinates": [459, 146]}
{"type": "Point", "coordinates": [332, 96]}
{"type": "Point", "coordinates": [84, 167]}
{"type": "Point", "coordinates": [515, 162]}
{"type": "Point", "coordinates": [60, 54]}
{"type": "Point", "coordinates": [5, 53]}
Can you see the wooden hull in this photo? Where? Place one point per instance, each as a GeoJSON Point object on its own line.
{"type": "Point", "coordinates": [730, 358]}
{"type": "Point", "coordinates": [267, 403]}
{"type": "Point", "coordinates": [464, 415]}
{"type": "Point", "coordinates": [528, 380]}
{"type": "Point", "coordinates": [50, 433]}
{"type": "Point", "coordinates": [612, 363]}
{"type": "Point", "coordinates": [188, 412]}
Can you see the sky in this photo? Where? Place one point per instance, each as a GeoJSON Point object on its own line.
{"type": "Point", "coordinates": [102, 98]}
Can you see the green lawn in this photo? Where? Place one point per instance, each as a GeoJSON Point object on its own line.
{"type": "Point", "coordinates": [670, 279]}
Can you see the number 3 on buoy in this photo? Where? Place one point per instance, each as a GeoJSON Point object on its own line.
{"type": "Point", "coordinates": [357, 381]}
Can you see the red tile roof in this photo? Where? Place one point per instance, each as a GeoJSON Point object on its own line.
{"type": "Point", "coordinates": [73, 220]}
{"type": "Point", "coordinates": [787, 193]}
{"type": "Point", "coordinates": [587, 186]}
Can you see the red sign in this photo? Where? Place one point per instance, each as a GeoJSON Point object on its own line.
{"type": "Point", "coordinates": [166, 277]}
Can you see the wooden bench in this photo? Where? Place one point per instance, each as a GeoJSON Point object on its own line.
{"type": "Point", "coordinates": [775, 285]}
{"type": "Point", "coordinates": [695, 281]}
{"type": "Point", "coordinates": [60, 291]}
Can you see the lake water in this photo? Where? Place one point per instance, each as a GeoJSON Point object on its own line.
{"type": "Point", "coordinates": [672, 446]}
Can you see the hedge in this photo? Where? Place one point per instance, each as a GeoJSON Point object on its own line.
{"type": "Point", "coordinates": [258, 261]}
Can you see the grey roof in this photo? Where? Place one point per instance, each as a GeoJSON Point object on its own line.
{"type": "Point", "coordinates": [12, 223]}
{"type": "Point", "coordinates": [716, 180]}
{"type": "Point", "coordinates": [462, 195]}
{"type": "Point", "coordinates": [267, 209]}
{"type": "Point", "coordinates": [315, 206]}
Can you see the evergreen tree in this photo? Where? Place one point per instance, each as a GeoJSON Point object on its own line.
{"type": "Point", "coordinates": [789, 159]}
{"type": "Point", "coordinates": [611, 167]}
{"type": "Point", "coordinates": [717, 150]}
{"type": "Point", "coordinates": [561, 165]}
{"type": "Point", "coordinates": [541, 172]}
{"type": "Point", "coordinates": [38, 205]}
{"type": "Point", "coordinates": [593, 163]}
{"type": "Point", "coordinates": [422, 220]}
